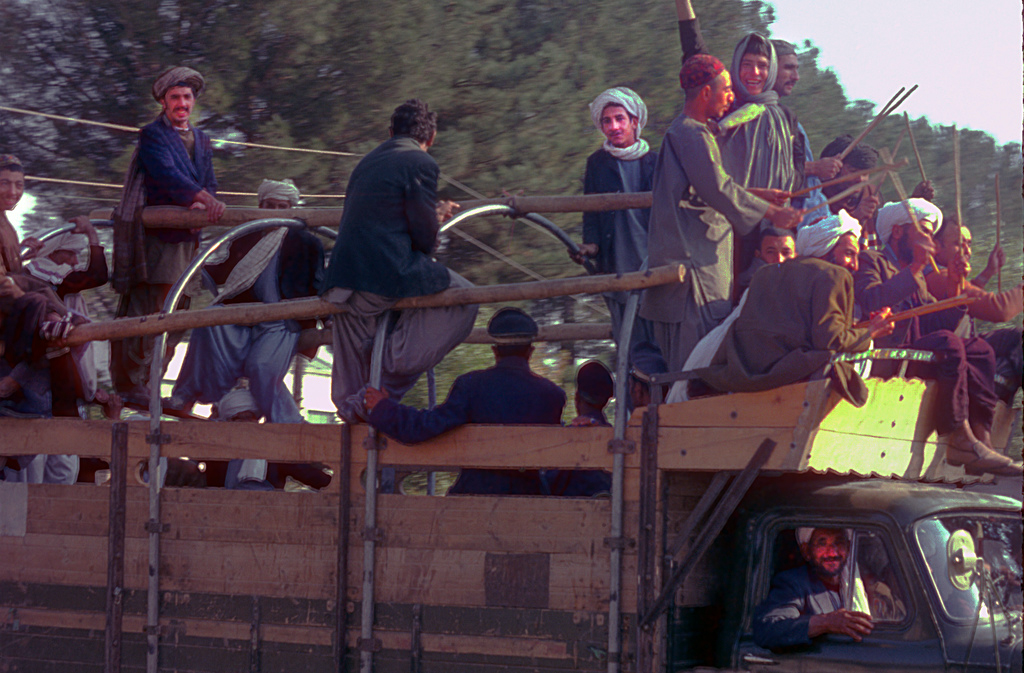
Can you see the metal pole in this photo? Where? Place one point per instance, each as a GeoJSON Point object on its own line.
{"type": "Point", "coordinates": [156, 438]}
{"type": "Point", "coordinates": [344, 510]}
{"type": "Point", "coordinates": [367, 644]}
{"type": "Point", "coordinates": [618, 466]}
{"type": "Point", "coordinates": [115, 544]}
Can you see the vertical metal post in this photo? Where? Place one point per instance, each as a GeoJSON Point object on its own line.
{"type": "Point", "coordinates": [618, 467]}
{"type": "Point", "coordinates": [367, 644]}
{"type": "Point", "coordinates": [646, 545]}
{"type": "Point", "coordinates": [115, 544]}
{"type": "Point", "coordinates": [344, 512]}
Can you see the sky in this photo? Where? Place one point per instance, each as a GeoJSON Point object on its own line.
{"type": "Point", "coordinates": [965, 56]}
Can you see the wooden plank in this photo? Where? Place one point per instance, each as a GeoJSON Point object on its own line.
{"type": "Point", "coordinates": [777, 408]}
{"type": "Point", "coordinates": [718, 448]}
{"type": "Point", "coordinates": [895, 408]}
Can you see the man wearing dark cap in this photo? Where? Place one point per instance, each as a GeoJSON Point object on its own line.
{"type": "Point", "coordinates": [594, 387]}
{"type": "Point", "coordinates": [507, 393]}
{"type": "Point", "coordinates": [173, 166]}
{"type": "Point", "coordinates": [646, 361]}
{"type": "Point", "coordinates": [697, 210]}
{"type": "Point", "coordinates": [386, 239]}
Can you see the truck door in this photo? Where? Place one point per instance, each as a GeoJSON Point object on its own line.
{"type": "Point", "coordinates": [787, 588]}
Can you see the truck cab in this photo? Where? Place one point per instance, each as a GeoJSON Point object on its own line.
{"type": "Point", "coordinates": [937, 568]}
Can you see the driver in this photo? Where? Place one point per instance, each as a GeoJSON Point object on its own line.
{"type": "Point", "coordinates": [807, 601]}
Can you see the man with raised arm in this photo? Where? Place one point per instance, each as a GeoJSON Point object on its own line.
{"type": "Point", "coordinates": [173, 166]}
{"type": "Point", "coordinates": [815, 171]}
{"type": "Point", "coordinates": [617, 239]}
{"type": "Point", "coordinates": [760, 143]}
{"type": "Point", "coordinates": [697, 210]}
{"type": "Point", "coordinates": [387, 235]}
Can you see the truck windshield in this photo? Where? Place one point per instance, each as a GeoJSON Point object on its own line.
{"type": "Point", "coordinates": [997, 540]}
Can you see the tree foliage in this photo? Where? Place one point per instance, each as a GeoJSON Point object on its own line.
{"type": "Point", "coordinates": [510, 80]}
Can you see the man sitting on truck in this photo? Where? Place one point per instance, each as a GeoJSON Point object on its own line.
{"type": "Point", "coordinates": [808, 601]}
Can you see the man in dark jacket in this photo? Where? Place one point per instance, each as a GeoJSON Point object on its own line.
{"type": "Point", "coordinates": [383, 253]}
{"type": "Point", "coordinates": [507, 393]}
{"type": "Point", "coordinates": [176, 162]}
{"type": "Point", "coordinates": [617, 239]}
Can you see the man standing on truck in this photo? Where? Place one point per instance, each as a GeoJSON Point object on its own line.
{"type": "Point", "coordinates": [387, 235]}
{"type": "Point", "coordinates": [696, 211]}
{"type": "Point", "coordinates": [807, 601]}
{"type": "Point", "coordinates": [173, 166]}
{"type": "Point", "coordinates": [617, 239]}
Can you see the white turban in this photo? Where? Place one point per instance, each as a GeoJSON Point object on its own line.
{"type": "Point", "coordinates": [41, 266]}
{"type": "Point", "coordinates": [634, 105]}
{"type": "Point", "coordinates": [818, 239]}
{"type": "Point", "coordinates": [623, 97]}
{"type": "Point", "coordinates": [284, 190]}
{"type": "Point", "coordinates": [236, 402]}
{"type": "Point", "coordinates": [893, 214]}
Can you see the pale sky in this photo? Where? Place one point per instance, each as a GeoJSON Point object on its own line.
{"type": "Point", "coordinates": [965, 56]}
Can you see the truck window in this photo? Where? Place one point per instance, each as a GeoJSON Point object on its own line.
{"type": "Point", "coordinates": [870, 580]}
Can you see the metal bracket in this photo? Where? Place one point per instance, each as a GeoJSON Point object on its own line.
{"type": "Point", "coordinates": [369, 644]}
{"type": "Point", "coordinates": [378, 442]}
{"type": "Point", "coordinates": [620, 542]}
{"type": "Point", "coordinates": [159, 438]}
{"type": "Point", "coordinates": [624, 446]}
{"type": "Point", "coordinates": [371, 534]}
{"type": "Point", "coordinates": [157, 527]}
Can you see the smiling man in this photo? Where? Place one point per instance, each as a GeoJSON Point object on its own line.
{"type": "Point", "coordinates": [173, 166]}
{"type": "Point", "coordinates": [808, 601]}
{"type": "Point", "coordinates": [617, 239]}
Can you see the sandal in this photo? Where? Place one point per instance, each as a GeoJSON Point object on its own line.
{"type": "Point", "coordinates": [980, 459]}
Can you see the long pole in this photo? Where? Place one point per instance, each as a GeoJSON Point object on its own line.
{"type": "Point", "coordinates": [999, 218]}
{"type": "Point", "coordinates": [913, 143]}
{"type": "Point", "coordinates": [297, 309]}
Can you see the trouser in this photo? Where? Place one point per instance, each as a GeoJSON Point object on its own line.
{"type": "Point", "coordinates": [964, 373]}
{"type": "Point", "coordinates": [418, 339]}
{"type": "Point", "coordinates": [218, 356]}
{"type": "Point", "coordinates": [130, 358]}
{"type": "Point", "coordinates": [44, 469]}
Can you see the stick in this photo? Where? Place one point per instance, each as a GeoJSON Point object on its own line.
{"type": "Point", "coordinates": [175, 217]}
{"type": "Point", "coordinates": [925, 309]}
{"type": "Point", "coordinates": [876, 121]}
{"type": "Point", "coordinates": [959, 214]}
{"type": "Point", "coordinates": [850, 176]}
{"type": "Point", "coordinates": [899, 141]}
{"type": "Point", "coordinates": [849, 190]}
{"type": "Point", "coordinates": [298, 309]}
{"type": "Point", "coordinates": [913, 143]}
{"type": "Point", "coordinates": [898, 184]}
{"type": "Point", "coordinates": [999, 210]}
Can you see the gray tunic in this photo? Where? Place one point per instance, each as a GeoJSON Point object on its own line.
{"type": "Point", "coordinates": [696, 209]}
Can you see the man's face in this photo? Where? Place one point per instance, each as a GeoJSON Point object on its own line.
{"type": "Point", "coordinates": [12, 186]}
{"type": "Point", "coordinates": [721, 95]}
{"type": "Point", "coordinates": [776, 249]}
{"type": "Point", "coordinates": [754, 72]}
{"type": "Point", "coordinates": [902, 238]}
{"type": "Point", "coordinates": [178, 103]}
{"type": "Point", "coordinates": [826, 552]}
{"type": "Point", "coordinates": [949, 248]}
{"type": "Point", "coordinates": [274, 204]}
{"type": "Point", "coordinates": [789, 74]}
{"type": "Point", "coordinates": [845, 253]}
{"type": "Point", "coordinates": [617, 126]}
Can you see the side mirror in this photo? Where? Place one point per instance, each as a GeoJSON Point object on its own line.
{"type": "Point", "coordinates": [961, 560]}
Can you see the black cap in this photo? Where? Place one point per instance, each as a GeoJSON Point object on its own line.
{"type": "Point", "coordinates": [594, 383]}
{"type": "Point", "coordinates": [512, 327]}
{"type": "Point", "coordinates": [647, 361]}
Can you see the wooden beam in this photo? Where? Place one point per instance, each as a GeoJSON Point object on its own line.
{"type": "Point", "coordinates": [295, 309]}
{"type": "Point", "coordinates": [176, 217]}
